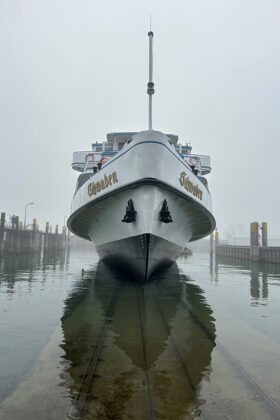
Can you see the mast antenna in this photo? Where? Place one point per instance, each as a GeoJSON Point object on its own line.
{"type": "Point", "coordinates": [150, 90]}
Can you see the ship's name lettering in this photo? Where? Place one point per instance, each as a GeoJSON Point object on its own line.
{"type": "Point", "coordinates": [96, 187]}
{"type": "Point", "coordinates": [189, 186]}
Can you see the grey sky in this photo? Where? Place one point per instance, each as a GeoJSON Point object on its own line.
{"type": "Point", "coordinates": [72, 71]}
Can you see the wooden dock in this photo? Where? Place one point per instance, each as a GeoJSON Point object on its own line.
{"type": "Point", "coordinates": [258, 250]}
{"type": "Point", "coordinates": [16, 240]}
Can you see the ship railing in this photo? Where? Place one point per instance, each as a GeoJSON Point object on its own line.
{"type": "Point", "coordinates": [204, 165]}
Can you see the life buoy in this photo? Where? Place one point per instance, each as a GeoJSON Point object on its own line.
{"type": "Point", "coordinates": [88, 155]}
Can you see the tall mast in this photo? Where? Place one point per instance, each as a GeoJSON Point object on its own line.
{"type": "Point", "coordinates": [150, 90]}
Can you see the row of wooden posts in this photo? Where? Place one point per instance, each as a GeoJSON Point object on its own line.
{"type": "Point", "coordinates": [258, 250]}
{"type": "Point", "coordinates": [16, 239]}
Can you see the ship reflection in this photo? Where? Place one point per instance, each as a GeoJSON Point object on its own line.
{"type": "Point", "coordinates": [157, 348]}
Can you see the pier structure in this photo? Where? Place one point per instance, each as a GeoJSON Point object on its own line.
{"type": "Point", "coordinates": [258, 250]}
{"type": "Point", "coordinates": [15, 239]}
{"type": "Point", "coordinates": [212, 243]}
{"type": "Point", "coordinates": [54, 240]}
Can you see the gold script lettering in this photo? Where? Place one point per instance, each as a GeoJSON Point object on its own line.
{"type": "Point", "coordinates": [96, 187]}
{"type": "Point", "coordinates": [189, 186]}
{"type": "Point", "coordinates": [182, 178]}
{"type": "Point", "coordinates": [115, 179]}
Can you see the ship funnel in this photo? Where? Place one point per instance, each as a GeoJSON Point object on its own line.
{"type": "Point", "coordinates": [150, 90]}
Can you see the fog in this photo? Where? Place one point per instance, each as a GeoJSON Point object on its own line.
{"type": "Point", "coordinates": [70, 72]}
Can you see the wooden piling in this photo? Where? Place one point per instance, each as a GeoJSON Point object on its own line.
{"type": "Point", "coordinates": [264, 234]}
{"type": "Point", "coordinates": [216, 238]}
{"type": "Point", "coordinates": [32, 237]}
{"type": "Point", "coordinates": [211, 244]}
{"type": "Point", "coordinates": [12, 243]}
{"type": "Point", "coordinates": [46, 237]}
{"type": "Point", "coordinates": [2, 231]}
{"type": "Point", "coordinates": [17, 242]}
{"type": "Point", "coordinates": [63, 237]}
{"type": "Point", "coordinates": [56, 240]}
{"type": "Point", "coordinates": [68, 239]}
{"type": "Point", "coordinates": [254, 242]}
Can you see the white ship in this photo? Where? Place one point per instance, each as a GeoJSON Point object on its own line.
{"type": "Point", "coordinates": [141, 197]}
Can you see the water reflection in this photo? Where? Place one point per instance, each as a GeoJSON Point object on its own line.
{"type": "Point", "coordinates": [213, 268]}
{"type": "Point", "coordinates": [17, 267]}
{"type": "Point", "coordinates": [54, 257]}
{"type": "Point", "coordinates": [155, 351]}
{"type": "Point", "coordinates": [259, 272]}
{"type": "Point", "coordinates": [10, 264]}
{"type": "Point", "coordinates": [30, 302]}
{"type": "Point", "coordinates": [21, 262]}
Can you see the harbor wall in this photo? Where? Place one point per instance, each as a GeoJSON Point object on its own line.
{"type": "Point", "coordinates": [270, 254]}
{"type": "Point", "coordinates": [233, 251]}
{"type": "Point", "coordinates": [257, 251]}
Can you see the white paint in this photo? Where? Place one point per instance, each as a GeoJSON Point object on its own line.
{"type": "Point", "coordinates": [148, 155]}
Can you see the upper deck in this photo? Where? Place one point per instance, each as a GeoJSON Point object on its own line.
{"type": "Point", "coordinates": [101, 152]}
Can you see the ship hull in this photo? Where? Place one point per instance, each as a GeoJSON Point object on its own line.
{"type": "Point", "coordinates": [139, 256]}
{"type": "Point", "coordinates": [147, 243]}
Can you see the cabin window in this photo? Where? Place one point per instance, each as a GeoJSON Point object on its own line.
{"type": "Point", "coordinates": [81, 180]}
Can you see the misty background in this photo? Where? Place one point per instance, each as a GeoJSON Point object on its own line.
{"type": "Point", "coordinates": [71, 71]}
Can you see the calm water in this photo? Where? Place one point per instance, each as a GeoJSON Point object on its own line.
{"type": "Point", "coordinates": [201, 340]}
